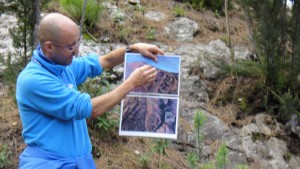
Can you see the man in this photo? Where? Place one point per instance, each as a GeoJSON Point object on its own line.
{"type": "Point", "coordinates": [53, 112]}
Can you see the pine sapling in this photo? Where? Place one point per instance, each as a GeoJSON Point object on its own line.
{"type": "Point", "coordinates": [199, 120]}
{"type": "Point", "coordinates": [160, 148]}
{"type": "Point", "coordinates": [222, 157]}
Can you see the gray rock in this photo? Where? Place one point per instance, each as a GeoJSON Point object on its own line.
{"type": "Point", "coordinates": [183, 29]}
{"type": "Point", "coordinates": [155, 15]}
{"type": "Point", "coordinates": [117, 14]}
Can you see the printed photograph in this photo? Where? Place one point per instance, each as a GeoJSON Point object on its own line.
{"type": "Point", "coordinates": [166, 81]}
{"type": "Point", "coordinates": [151, 110]}
{"type": "Point", "coordinates": [149, 116]}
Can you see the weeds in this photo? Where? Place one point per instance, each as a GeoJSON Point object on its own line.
{"type": "Point", "coordinates": [209, 165]}
{"type": "Point", "coordinates": [160, 148]}
{"type": "Point", "coordinates": [74, 9]}
{"type": "Point", "coordinates": [192, 160]}
{"type": "Point", "coordinates": [199, 120]}
{"type": "Point", "coordinates": [4, 156]}
{"type": "Point", "coordinates": [241, 166]}
{"type": "Point", "coordinates": [289, 105]}
{"type": "Point", "coordinates": [178, 11]}
{"type": "Point", "coordinates": [108, 122]}
{"type": "Point", "coordinates": [10, 72]}
{"type": "Point", "coordinates": [222, 157]}
{"type": "Point", "coordinates": [151, 34]}
{"type": "Point", "coordinates": [144, 161]}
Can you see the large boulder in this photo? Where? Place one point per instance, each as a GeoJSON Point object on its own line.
{"type": "Point", "coordinates": [182, 29]}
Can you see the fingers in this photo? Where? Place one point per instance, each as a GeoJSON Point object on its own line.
{"type": "Point", "coordinates": [151, 56]}
{"type": "Point", "coordinates": [148, 50]}
{"type": "Point", "coordinates": [148, 72]}
{"type": "Point", "coordinates": [159, 51]}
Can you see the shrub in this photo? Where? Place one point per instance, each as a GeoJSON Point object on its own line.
{"type": "Point", "coordinates": [160, 149]}
{"type": "Point", "coordinates": [151, 34]}
{"type": "Point", "coordinates": [74, 9]}
{"type": "Point", "coordinates": [192, 160]}
{"type": "Point", "coordinates": [144, 161]}
{"type": "Point", "coordinates": [4, 157]}
{"type": "Point", "coordinates": [108, 122]}
{"type": "Point", "coordinates": [289, 105]}
{"type": "Point", "coordinates": [222, 157]}
{"type": "Point", "coordinates": [199, 120]}
{"type": "Point", "coordinates": [178, 11]}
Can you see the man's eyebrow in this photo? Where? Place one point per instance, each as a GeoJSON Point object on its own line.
{"type": "Point", "coordinates": [74, 42]}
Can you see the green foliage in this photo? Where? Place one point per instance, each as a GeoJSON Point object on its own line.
{"type": "Point", "coordinates": [108, 122]}
{"type": "Point", "coordinates": [289, 105]}
{"type": "Point", "coordinates": [178, 11]}
{"type": "Point", "coordinates": [242, 68]}
{"type": "Point", "coordinates": [199, 120]}
{"type": "Point", "coordinates": [74, 10]}
{"type": "Point", "coordinates": [160, 148]}
{"type": "Point", "coordinates": [192, 160]}
{"type": "Point", "coordinates": [144, 161]}
{"type": "Point", "coordinates": [277, 42]}
{"type": "Point", "coordinates": [123, 33]}
{"type": "Point", "coordinates": [23, 40]}
{"type": "Point", "coordinates": [87, 37]}
{"type": "Point", "coordinates": [22, 34]}
{"type": "Point", "coordinates": [4, 157]}
{"type": "Point", "coordinates": [222, 157]}
{"type": "Point", "coordinates": [151, 34]}
{"type": "Point", "coordinates": [243, 104]}
{"type": "Point", "coordinates": [242, 166]}
{"type": "Point", "coordinates": [166, 166]}
{"type": "Point", "coordinates": [11, 70]}
{"type": "Point", "coordinates": [209, 165]}
{"type": "Point", "coordinates": [214, 5]}
{"type": "Point", "coordinates": [139, 8]}
{"type": "Point", "coordinates": [287, 156]}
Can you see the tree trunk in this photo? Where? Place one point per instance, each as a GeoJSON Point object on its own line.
{"type": "Point", "coordinates": [82, 17]}
{"type": "Point", "coordinates": [228, 32]}
{"type": "Point", "coordinates": [283, 40]}
{"type": "Point", "coordinates": [36, 20]}
{"type": "Point", "coordinates": [295, 43]}
{"type": "Point", "coordinates": [250, 28]}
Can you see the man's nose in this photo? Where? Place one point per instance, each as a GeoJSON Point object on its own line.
{"type": "Point", "coordinates": [76, 52]}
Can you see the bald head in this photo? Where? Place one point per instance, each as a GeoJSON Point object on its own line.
{"type": "Point", "coordinates": [56, 27]}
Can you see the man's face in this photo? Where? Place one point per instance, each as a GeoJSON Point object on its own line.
{"type": "Point", "coordinates": [63, 53]}
{"type": "Point", "coordinates": [65, 46]}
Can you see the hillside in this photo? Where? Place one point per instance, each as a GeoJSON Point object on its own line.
{"type": "Point", "coordinates": [153, 22]}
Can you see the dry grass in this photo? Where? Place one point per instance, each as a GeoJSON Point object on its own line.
{"type": "Point", "coordinates": [225, 101]}
{"type": "Point", "coordinates": [125, 152]}
{"type": "Point", "coordinates": [10, 126]}
{"type": "Point", "coordinates": [138, 27]}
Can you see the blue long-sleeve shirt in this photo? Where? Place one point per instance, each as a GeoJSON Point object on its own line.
{"type": "Point", "coordinates": [53, 112]}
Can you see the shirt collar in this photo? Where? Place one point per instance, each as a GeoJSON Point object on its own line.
{"type": "Point", "coordinates": [44, 61]}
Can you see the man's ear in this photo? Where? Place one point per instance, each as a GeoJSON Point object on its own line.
{"type": "Point", "coordinates": [48, 46]}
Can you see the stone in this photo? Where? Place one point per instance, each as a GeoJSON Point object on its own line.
{"type": "Point", "coordinates": [183, 29]}
{"type": "Point", "coordinates": [155, 15]}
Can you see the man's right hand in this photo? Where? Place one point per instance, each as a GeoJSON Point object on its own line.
{"type": "Point", "coordinates": [142, 75]}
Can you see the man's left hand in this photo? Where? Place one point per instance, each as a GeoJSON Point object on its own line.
{"type": "Point", "coordinates": [147, 50]}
